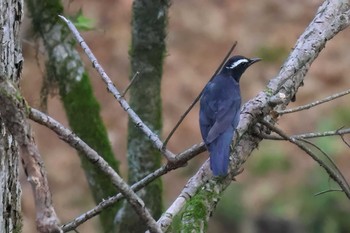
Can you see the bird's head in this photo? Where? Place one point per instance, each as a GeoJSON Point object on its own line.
{"type": "Point", "coordinates": [236, 65]}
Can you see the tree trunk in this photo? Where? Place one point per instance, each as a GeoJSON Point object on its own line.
{"type": "Point", "coordinates": [10, 70]}
{"type": "Point", "coordinates": [65, 69]}
{"type": "Point", "coordinates": [147, 51]}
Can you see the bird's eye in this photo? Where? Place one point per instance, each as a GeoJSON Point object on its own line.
{"type": "Point", "coordinates": [237, 63]}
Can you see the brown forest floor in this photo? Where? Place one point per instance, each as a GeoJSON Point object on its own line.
{"type": "Point", "coordinates": [200, 32]}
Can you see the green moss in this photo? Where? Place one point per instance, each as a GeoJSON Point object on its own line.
{"type": "Point", "coordinates": [18, 228]}
{"type": "Point", "coordinates": [192, 218]}
{"type": "Point", "coordinates": [44, 13]}
{"type": "Point", "coordinates": [83, 113]}
{"type": "Point", "coordinates": [149, 21]}
{"type": "Point", "coordinates": [195, 215]}
{"type": "Point", "coordinates": [269, 91]}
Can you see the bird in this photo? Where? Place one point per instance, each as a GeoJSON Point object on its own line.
{"type": "Point", "coordinates": [220, 105]}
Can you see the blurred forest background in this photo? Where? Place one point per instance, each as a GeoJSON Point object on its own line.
{"type": "Point", "coordinates": [279, 181]}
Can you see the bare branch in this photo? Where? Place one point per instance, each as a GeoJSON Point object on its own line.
{"type": "Point", "coordinates": [330, 160]}
{"type": "Point", "coordinates": [327, 191]}
{"type": "Point", "coordinates": [198, 97]}
{"type": "Point", "coordinates": [335, 176]}
{"type": "Point", "coordinates": [182, 159]}
{"type": "Point", "coordinates": [338, 132]}
{"type": "Point", "coordinates": [134, 78]}
{"type": "Point", "coordinates": [94, 158]}
{"type": "Point", "coordinates": [113, 90]}
{"type": "Point", "coordinates": [313, 104]}
{"type": "Point", "coordinates": [343, 139]}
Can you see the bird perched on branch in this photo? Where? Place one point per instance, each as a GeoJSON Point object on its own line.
{"type": "Point", "coordinates": [220, 106]}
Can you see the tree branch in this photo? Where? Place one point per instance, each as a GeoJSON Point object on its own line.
{"type": "Point", "coordinates": [14, 116]}
{"type": "Point", "coordinates": [313, 104]}
{"type": "Point", "coordinates": [94, 158]}
{"type": "Point", "coordinates": [331, 18]}
{"type": "Point", "coordinates": [335, 176]}
{"type": "Point", "coordinates": [73, 140]}
{"type": "Point", "coordinates": [182, 159]}
{"type": "Point", "coordinates": [112, 89]}
{"type": "Point", "coordinates": [338, 132]}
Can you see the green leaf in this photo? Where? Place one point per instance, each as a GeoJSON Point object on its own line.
{"type": "Point", "coordinates": [82, 22]}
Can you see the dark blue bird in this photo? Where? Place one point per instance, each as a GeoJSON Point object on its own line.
{"type": "Point", "coordinates": [220, 106]}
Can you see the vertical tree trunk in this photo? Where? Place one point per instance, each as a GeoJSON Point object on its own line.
{"type": "Point", "coordinates": [147, 52]}
{"type": "Point", "coordinates": [65, 68]}
{"type": "Point", "coordinates": [10, 70]}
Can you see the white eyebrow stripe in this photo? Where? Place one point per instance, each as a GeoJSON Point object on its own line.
{"type": "Point", "coordinates": [235, 64]}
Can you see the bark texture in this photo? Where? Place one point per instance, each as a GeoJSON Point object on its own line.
{"type": "Point", "coordinates": [147, 52]}
{"type": "Point", "coordinates": [10, 70]}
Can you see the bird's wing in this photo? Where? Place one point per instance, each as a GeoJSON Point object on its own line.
{"type": "Point", "coordinates": [206, 114]}
{"type": "Point", "coordinates": [226, 117]}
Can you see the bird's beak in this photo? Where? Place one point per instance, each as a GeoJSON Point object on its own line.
{"type": "Point", "coordinates": [254, 60]}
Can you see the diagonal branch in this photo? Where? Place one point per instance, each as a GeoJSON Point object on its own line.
{"type": "Point", "coordinates": [332, 174]}
{"type": "Point", "coordinates": [114, 91]}
{"type": "Point", "coordinates": [132, 81]}
{"type": "Point", "coordinates": [182, 159]}
{"type": "Point", "coordinates": [313, 104]}
{"type": "Point", "coordinates": [331, 18]}
{"type": "Point", "coordinates": [93, 157]}
{"type": "Point", "coordinates": [14, 115]}
{"type": "Point", "coordinates": [73, 140]}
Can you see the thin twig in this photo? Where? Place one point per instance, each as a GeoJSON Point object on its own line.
{"type": "Point", "coordinates": [198, 97]}
{"type": "Point", "coordinates": [114, 91]}
{"type": "Point", "coordinates": [310, 135]}
{"type": "Point", "coordinates": [342, 137]}
{"type": "Point", "coordinates": [331, 173]}
{"type": "Point", "coordinates": [134, 78]}
{"type": "Point", "coordinates": [94, 157]}
{"type": "Point", "coordinates": [330, 160]}
{"type": "Point", "coordinates": [313, 104]}
{"type": "Point", "coordinates": [327, 191]}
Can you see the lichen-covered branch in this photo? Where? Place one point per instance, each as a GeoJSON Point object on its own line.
{"type": "Point", "coordinates": [331, 18]}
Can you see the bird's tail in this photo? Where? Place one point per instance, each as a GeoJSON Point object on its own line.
{"type": "Point", "coordinates": [219, 154]}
